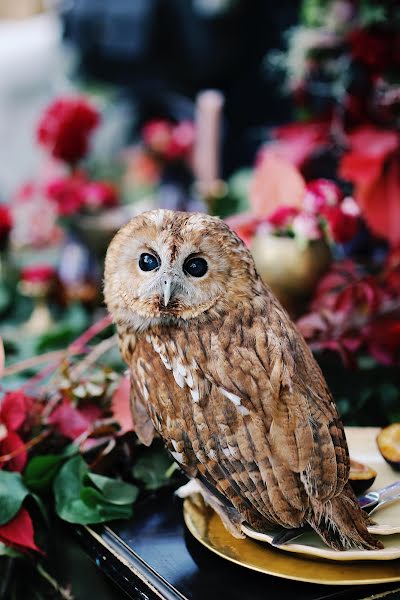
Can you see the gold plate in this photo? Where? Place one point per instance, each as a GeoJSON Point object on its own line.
{"type": "Point", "coordinates": [208, 529]}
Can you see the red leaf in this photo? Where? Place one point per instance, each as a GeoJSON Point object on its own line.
{"type": "Point", "coordinates": [383, 339]}
{"type": "Point", "coordinates": [13, 443]}
{"type": "Point", "coordinates": [14, 409]}
{"type": "Point", "coordinates": [19, 532]}
{"type": "Point", "coordinates": [69, 420]}
{"type": "Point", "coordinates": [121, 406]}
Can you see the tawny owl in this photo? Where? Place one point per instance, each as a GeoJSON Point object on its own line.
{"type": "Point", "coordinates": [222, 374]}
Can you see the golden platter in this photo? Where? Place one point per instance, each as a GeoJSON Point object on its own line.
{"type": "Point", "coordinates": [208, 529]}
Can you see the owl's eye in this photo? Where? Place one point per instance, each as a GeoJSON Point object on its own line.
{"type": "Point", "coordinates": [196, 266]}
{"type": "Point", "coordinates": [148, 262]}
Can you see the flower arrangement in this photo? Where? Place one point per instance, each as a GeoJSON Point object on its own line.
{"type": "Point", "coordinates": [62, 447]}
{"type": "Point", "coordinates": [342, 70]}
{"type": "Point", "coordinates": [324, 213]}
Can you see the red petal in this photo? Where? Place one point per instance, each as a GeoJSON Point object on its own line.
{"type": "Point", "coordinates": [19, 531]}
{"type": "Point", "coordinates": [69, 420]}
{"type": "Point", "coordinates": [13, 443]}
{"type": "Point", "coordinates": [121, 406]}
{"type": "Point", "coordinates": [14, 410]}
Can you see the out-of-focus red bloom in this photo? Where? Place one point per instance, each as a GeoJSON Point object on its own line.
{"type": "Point", "coordinates": [68, 193]}
{"type": "Point", "coordinates": [372, 164]}
{"type": "Point", "coordinates": [65, 128]}
{"type": "Point", "coordinates": [14, 410]}
{"type": "Point", "coordinates": [375, 47]}
{"type": "Point", "coordinates": [321, 193]}
{"type": "Point", "coordinates": [37, 274]}
{"type": "Point", "coordinates": [5, 224]}
{"type": "Point", "coordinates": [170, 141]}
{"type": "Point", "coordinates": [296, 142]}
{"type": "Point", "coordinates": [383, 340]}
{"type": "Point", "coordinates": [19, 532]}
{"type": "Point", "coordinates": [283, 216]}
{"type": "Point", "coordinates": [100, 194]}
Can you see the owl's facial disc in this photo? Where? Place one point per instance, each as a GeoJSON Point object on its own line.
{"type": "Point", "coordinates": [166, 264]}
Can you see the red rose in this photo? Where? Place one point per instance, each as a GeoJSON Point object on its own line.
{"type": "Point", "coordinates": [100, 194]}
{"type": "Point", "coordinates": [5, 224]}
{"type": "Point", "coordinates": [68, 193]}
{"type": "Point", "coordinates": [65, 127]}
{"type": "Point", "coordinates": [374, 47]}
{"type": "Point", "coordinates": [283, 216]}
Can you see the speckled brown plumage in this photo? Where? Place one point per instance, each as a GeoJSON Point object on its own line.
{"type": "Point", "coordinates": [223, 375]}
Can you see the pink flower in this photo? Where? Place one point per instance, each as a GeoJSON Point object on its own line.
{"type": "Point", "coordinates": [38, 274]}
{"type": "Point", "coordinates": [65, 128]}
{"type": "Point", "coordinates": [168, 140]}
{"type": "Point", "coordinates": [306, 226]}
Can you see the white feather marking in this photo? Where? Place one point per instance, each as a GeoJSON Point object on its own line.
{"type": "Point", "coordinates": [180, 368]}
{"type": "Point", "coordinates": [212, 454]}
{"type": "Point", "coordinates": [243, 410]}
{"type": "Point", "coordinates": [191, 487]}
{"type": "Point", "coordinates": [227, 452]}
{"type": "Point", "coordinates": [195, 394]}
{"type": "Point", "coordinates": [178, 456]}
{"type": "Point", "coordinates": [232, 397]}
{"type": "Point", "coordinates": [178, 378]}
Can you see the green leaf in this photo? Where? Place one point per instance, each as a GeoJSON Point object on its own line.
{"type": "Point", "coordinates": [77, 503]}
{"type": "Point", "coordinates": [114, 490]}
{"type": "Point", "coordinates": [151, 468]}
{"type": "Point", "coordinates": [8, 551]}
{"type": "Point", "coordinates": [41, 470]}
{"type": "Point", "coordinates": [12, 494]}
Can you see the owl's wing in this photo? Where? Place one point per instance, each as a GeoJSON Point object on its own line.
{"type": "Point", "coordinates": [271, 414]}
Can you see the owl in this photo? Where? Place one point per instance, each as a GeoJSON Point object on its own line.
{"type": "Point", "coordinates": [221, 373]}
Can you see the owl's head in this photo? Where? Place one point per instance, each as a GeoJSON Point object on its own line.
{"type": "Point", "coordinates": [167, 265]}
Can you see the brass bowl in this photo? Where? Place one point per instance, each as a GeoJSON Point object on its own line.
{"type": "Point", "coordinates": [291, 270]}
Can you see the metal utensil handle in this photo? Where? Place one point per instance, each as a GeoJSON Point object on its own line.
{"type": "Point", "coordinates": [389, 491]}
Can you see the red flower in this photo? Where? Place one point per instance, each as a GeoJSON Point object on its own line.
{"type": "Point", "coordinates": [283, 216]}
{"type": "Point", "coordinates": [65, 127]}
{"type": "Point", "coordinates": [383, 340]}
{"type": "Point", "coordinates": [100, 194]}
{"type": "Point", "coordinates": [5, 224]}
{"type": "Point", "coordinates": [68, 193]}
{"type": "Point", "coordinates": [321, 193]}
{"type": "Point", "coordinates": [37, 274]}
{"type": "Point", "coordinates": [14, 410]}
{"type": "Point", "coordinates": [169, 140]}
{"type": "Point", "coordinates": [19, 532]}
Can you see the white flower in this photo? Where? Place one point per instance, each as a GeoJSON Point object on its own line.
{"type": "Point", "coordinates": [350, 207]}
{"type": "Point", "coordinates": [305, 226]}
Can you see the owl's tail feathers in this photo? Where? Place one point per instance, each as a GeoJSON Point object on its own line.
{"type": "Point", "coordinates": [342, 524]}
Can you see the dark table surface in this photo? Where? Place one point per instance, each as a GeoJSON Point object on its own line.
{"type": "Point", "coordinates": [154, 556]}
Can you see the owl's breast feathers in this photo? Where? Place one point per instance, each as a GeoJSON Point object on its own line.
{"type": "Point", "coordinates": [239, 399]}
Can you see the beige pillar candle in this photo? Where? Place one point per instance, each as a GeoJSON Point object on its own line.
{"type": "Point", "coordinates": [206, 157]}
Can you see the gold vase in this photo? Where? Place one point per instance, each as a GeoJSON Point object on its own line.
{"type": "Point", "coordinates": [290, 269]}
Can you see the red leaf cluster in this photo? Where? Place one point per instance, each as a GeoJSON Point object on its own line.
{"type": "Point", "coordinates": [354, 311]}
{"type": "Point", "coordinates": [65, 128]}
{"type": "Point", "coordinates": [71, 421]}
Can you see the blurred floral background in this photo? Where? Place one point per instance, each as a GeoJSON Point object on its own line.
{"type": "Point", "coordinates": [285, 122]}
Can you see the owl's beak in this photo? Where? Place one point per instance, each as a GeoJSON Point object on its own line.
{"type": "Point", "coordinates": [167, 290]}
